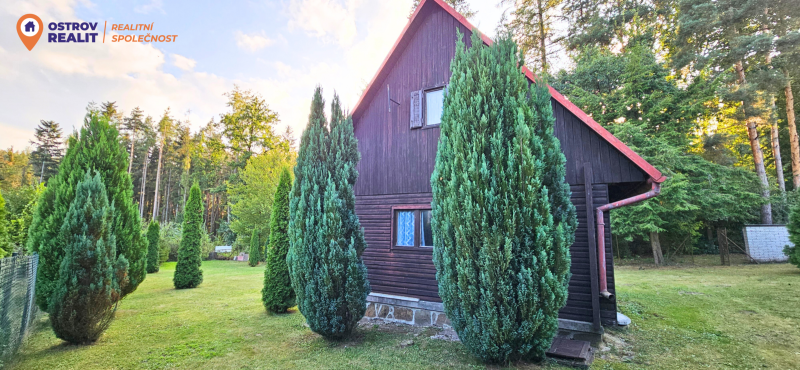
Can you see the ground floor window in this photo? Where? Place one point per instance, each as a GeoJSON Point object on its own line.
{"type": "Point", "coordinates": [411, 227]}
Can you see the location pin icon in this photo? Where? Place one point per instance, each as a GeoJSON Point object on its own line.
{"type": "Point", "coordinates": [29, 29]}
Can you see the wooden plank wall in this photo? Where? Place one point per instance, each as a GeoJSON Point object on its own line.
{"type": "Point", "coordinates": [411, 273]}
{"type": "Point", "coordinates": [579, 301]}
{"type": "Point", "coordinates": [406, 272]}
{"type": "Point", "coordinates": [394, 158]}
{"type": "Point", "coordinates": [396, 164]}
{"type": "Point", "coordinates": [581, 145]}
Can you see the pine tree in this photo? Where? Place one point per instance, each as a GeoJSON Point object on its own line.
{"type": "Point", "coordinates": [153, 257]}
{"type": "Point", "coordinates": [325, 237]}
{"type": "Point", "coordinates": [47, 155]}
{"type": "Point", "coordinates": [187, 271]}
{"type": "Point", "coordinates": [4, 237]}
{"type": "Point", "coordinates": [501, 215]}
{"type": "Point", "coordinates": [255, 250]}
{"type": "Point", "coordinates": [96, 148]}
{"type": "Point", "coordinates": [278, 295]}
{"type": "Point", "coordinates": [84, 300]}
{"type": "Point", "coordinates": [793, 252]}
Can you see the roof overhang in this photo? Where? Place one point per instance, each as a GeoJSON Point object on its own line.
{"type": "Point", "coordinates": [413, 24]}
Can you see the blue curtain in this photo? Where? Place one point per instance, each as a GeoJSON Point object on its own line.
{"type": "Point", "coordinates": [405, 228]}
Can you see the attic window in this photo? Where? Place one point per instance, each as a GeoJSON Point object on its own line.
{"type": "Point", "coordinates": [426, 107]}
{"type": "Point", "coordinates": [434, 104]}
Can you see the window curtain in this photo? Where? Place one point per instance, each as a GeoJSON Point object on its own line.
{"type": "Point", "coordinates": [405, 228]}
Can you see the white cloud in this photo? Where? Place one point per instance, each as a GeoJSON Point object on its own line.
{"type": "Point", "coordinates": [252, 42]}
{"type": "Point", "coordinates": [325, 18]}
{"type": "Point", "coordinates": [183, 62]}
{"type": "Point", "coordinates": [57, 81]}
{"type": "Point", "coordinates": [153, 5]}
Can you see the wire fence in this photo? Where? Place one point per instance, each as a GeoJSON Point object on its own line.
{"type": "Point", "coordinates": [17, 308]}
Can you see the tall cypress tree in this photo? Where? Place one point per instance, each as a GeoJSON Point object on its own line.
{"type": "Point", "coordinates": [49, 149]}
{"type": "Point", "coordinates": [255, 250]}
{"type": "Point", "coordinates": [325, 237]}
{"type": "Point", "coordinates": [278, 295]}
{"type": "Point", "coordinates": [96, 148]}
{"type": "Point", "coordinates": [187, 271]}
{"type": "Point", "coordinates": [153, 257]}
{"type": "Point", "coordinates": [83, 302]}
{"type": "Point", "coordinates": [501, 215]}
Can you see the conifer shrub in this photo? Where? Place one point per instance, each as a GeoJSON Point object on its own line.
{"type": "Point", "coordinates": [501, 215]}
{"type": "Point", "coordinates": [793, 251]}
{"type": "Point", "coordinates": [96, 147]}
{"type": "Point", "coordinates": [325, 237]}
{"type": "Point", "coordinates": [187, 270]}
{"type": "Point", "coordinates": [84, 300]}
{"type": "Point", "coordinates": [255, 250]}
{"type": "Point", "coordinates": [153, 252]}
{"type": "Point", "coordinates": [278, 295]}
{"type": "Point", "coordinates": [169, 241]}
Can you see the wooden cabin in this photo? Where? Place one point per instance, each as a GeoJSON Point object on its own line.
{"type": "Point", "coordinates": [396, 123]}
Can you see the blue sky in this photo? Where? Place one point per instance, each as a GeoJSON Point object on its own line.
{"type": "Point", "coordinates": [279, 49]}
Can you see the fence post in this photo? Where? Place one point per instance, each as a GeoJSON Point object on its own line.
{"type": "Point", "coordinates": [724, 251]}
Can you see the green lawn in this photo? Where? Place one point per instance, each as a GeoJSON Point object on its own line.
{"type": "Point", "coordinates": [223, 325]}
{"type": "Point", "coordinates": [745, 316]}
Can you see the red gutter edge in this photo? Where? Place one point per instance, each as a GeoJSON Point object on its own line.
{"type": "Point", "coordinates": [601, 232]}
{"type": "Point", "coordinates": [655, 175]}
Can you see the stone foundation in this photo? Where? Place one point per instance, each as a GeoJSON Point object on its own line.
{"type": "Point", "coordinates": [405, 310]}
{"type": "Point", "coordinates": [412, 311]}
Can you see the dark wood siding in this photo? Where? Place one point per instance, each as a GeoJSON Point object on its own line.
{"type": "Point", "coordinates": [394, 158]}
{"type": "Point", "coordinates": [579, 301]}
{"type": "Point", "coordinates": [582, 145]}
{"type": "Point", "coordinates": [411, 273]}
{"type": "Point", "coordinates": [397, 161]}
{"type": "Point", "coordinates": [401, 271]}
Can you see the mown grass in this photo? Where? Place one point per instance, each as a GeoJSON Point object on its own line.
{"type": "Point", "coordinates": [744, 316]}
{"type": "Point", "coordinates": [223, 325]}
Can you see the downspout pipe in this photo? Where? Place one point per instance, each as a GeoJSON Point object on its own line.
{"type": "Point", "coordinates": [601, 237]}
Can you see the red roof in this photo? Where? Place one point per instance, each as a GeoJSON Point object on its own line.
{"type": "Point", "coordinates": [647, 168]}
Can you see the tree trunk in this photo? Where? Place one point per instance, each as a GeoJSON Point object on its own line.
{"type": "Point", "coordinates": [758, 155]}
{"type": "Point", "coordinates": [793, 139]}
{"type": "Point", "coordinates": [166, 197]}
{"type": "Point", "coordinates": [776, 152]}
{"type": "Point", "coordinates": [542, 47]}
{"type": "Point", "coordinates": [144, 184]}
{"type": "Point", "coordinates": [724, 253]}
{"type": "Point", "coordinates": [158, 179]}
{"type": "Point", "coordinates": [41, 175]}
{"type": "Point", "coordinates": [709, 235]}
{"type": "Point", "coordinates": [130, 160]}
{"type": "Point", "coordinates": [658, 256]}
